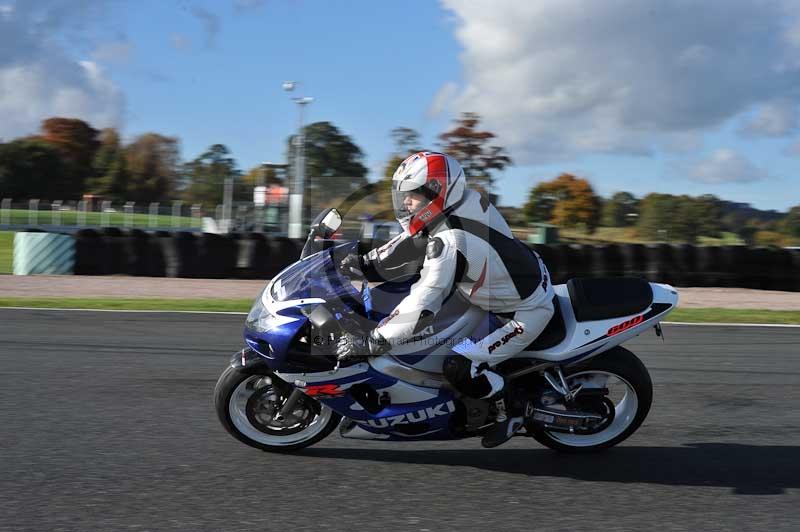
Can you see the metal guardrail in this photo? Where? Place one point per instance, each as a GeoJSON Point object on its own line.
{"type": "Point", "coordinates": [69, 217]}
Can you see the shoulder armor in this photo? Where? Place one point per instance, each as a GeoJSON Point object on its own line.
{"type": "Point", "coordinates": [434, 248]}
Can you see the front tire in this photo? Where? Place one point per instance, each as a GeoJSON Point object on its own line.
{"type": "Point", "coordinates": [246, 406]}
{"type": "Point", "coordinates": [631, 410]}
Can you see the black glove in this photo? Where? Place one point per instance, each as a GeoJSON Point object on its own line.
{"type": "Point", "coordinates": [351, 347]}
{"type": "Point", "coordinates": [351, 266]}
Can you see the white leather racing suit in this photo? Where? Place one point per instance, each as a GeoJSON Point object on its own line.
{"type": "Point", "coordinates": [473, 251]}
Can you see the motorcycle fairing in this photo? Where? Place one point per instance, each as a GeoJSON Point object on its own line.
{"type": "Point", "coordinates": [590, 338]}
{"type": "Point", "coordinates": [415, 412]}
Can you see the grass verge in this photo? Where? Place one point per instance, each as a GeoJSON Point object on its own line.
{"type": "Point", "coordinates": [23, 217]}
{"type": "Point", "coordinates": [691, 315]}
{"type": "Point", "coordinates": [6, 251]}
{"type": "Point", "coordinates": [210, 305]}
{"type": "Point", "coordinates": [727, 315]}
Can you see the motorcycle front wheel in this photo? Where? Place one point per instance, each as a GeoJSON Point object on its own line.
{"type": "Point", "coordinates": [248, 405]}
{"type": "Point", "coordinates": [630, 395]}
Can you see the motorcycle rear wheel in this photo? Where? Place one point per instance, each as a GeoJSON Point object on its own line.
{"type": "Point", "coordinates": [244, 405]}
{"type": "Point", "coordinates": [618, 365]}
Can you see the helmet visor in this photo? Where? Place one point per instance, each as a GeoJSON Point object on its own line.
{"type": "Point", "coordinates": [407, 203]}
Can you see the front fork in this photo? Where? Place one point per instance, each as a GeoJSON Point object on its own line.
{"type": "Point", "coordinates": [250, 362]}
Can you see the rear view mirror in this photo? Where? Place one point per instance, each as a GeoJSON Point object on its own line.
{"type": "Point", "coordinates": [326, 223]}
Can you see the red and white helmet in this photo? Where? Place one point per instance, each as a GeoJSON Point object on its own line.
{"type": "Point", "coordinates": [437, 177]}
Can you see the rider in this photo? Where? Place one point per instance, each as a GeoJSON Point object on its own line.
{"type": "Point", "coordinates": [463, 244]}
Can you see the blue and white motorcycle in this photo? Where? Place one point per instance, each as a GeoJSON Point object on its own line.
{"type": "Point", "coordinates": [285, 390]}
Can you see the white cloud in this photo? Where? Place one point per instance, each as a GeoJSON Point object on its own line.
{"type": "Point", "coordinates": [725, 166]}
{"type": "Point", "coordinates": [560, 79]}
{"type": "Point", "coordinates": [774, 119]}
{"type": "Point", "coordinates": [31, 93]}
{"type": "Point", "coordinates": [39, 80]}
{"type": "Point", "coordinates": [442, 100]}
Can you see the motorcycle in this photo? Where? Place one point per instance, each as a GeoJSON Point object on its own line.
{"type": "Point", "coordinates": [285, 390]}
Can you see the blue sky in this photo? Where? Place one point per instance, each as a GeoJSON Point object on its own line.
{"type": "Point", "coordinates": [634, 96]}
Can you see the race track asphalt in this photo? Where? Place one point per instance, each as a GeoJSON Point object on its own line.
{"type": "Point", "coordinates": [107, 423]}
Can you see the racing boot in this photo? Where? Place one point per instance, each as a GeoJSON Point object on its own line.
{"type": "Point", "coordinates": [507, 423]}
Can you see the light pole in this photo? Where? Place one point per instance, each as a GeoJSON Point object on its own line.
{"type": "Point", "coordinates": [296, 190]}
{"type": "Point", "coordinates": [275, 212]}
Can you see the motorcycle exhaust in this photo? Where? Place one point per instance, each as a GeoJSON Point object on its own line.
{"type": "Point", "coordinates": [572, 421]}
{"type": "Point", "coordinates": [566, 421]}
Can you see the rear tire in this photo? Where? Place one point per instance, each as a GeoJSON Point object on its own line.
{"type": "Point", "coordinates": [627, 367]}
{"type": "Point", "coordinates": [232, 399]}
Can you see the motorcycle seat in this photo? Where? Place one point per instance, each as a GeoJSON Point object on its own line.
{"type": "Point", "coordinates": [604, 298]}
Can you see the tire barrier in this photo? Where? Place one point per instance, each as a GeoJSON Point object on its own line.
{"type": "Point", "coordinates": [217, 256]}
{"type": "Point", "coordinates": [685, 261]}
{"type": "Point", "coordinates": [283, 252]}
{"type": "Point", "coordinates": [92, 256]}
{"type": "Point", "coordinates": [661, 267]}
{"type": "Point", "coordinates": [742, 265]}
{"type": "Point", "coordinates": [606, 261]}
{"type": "Point", "coordinates": [181, 254]}
{"type": "Point", "coordinates": [783, 272]}
{"type": "Point", "coordinates": [550, 258]}
{"type": "Point", "coordinates": [729, 256]}
{"type": "Point", "coordinates": [794, 276]}
{"type": "Point", "coordinates": [116, 244]}
{"type": "Point", "coordinates": [634, 257]}
{"type": "Point", "coordinates": [254, 257]}
{"type": "Point", "coordinates": [575, 263]}
{"type": "Point", "coordinates": [708, 263]}
{"type": "Point", "coordinates": [43, 253]}
{"type": "Point", "coordinates": [760, 268]}
{"type": "Point", "coordinates": [143, 261]}
{"type": "Point", "coordinates": [262, 256]}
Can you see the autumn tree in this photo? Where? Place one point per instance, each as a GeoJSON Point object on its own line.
{"type": "Point", "coordinates": [471, 147]}
{"type": "Point", "coordinates": [77, 143]}
{"type": "Point", "coordinates": [567, 201]}
{"type": "Point", "coordinates": [152, 162]}
{"type": "Point", "coordinates": [204, 178]}
{"type": "Point", "coordinates": [109, 168]}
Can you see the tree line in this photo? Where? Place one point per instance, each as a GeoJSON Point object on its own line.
{"type": "Point", "coordinates": [570, 201]}
{"type": "Point", "coordinates": [69, 158]}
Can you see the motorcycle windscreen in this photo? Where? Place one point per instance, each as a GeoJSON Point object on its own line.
{"type": "Point", "coordinates": [315, 276]}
